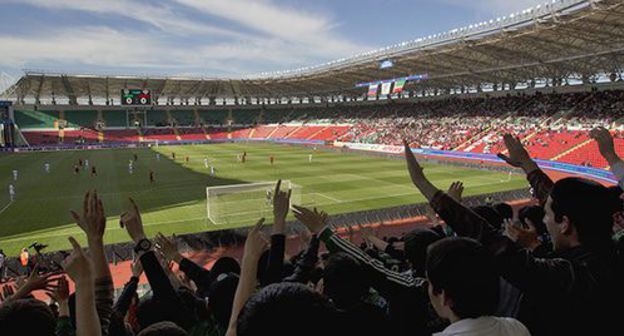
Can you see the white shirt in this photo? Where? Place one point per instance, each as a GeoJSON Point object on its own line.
{"type": "Point", "coordinates": [486, 326]}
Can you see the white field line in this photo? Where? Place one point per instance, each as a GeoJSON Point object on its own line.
{"type": "Point", "coordinates": [6, 207]}
{"type": "Point", "coordinates": [114, 228]}
{"type": "Point", "coordinates": [328, 197]}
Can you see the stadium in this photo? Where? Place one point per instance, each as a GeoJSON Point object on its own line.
{"type": "Point", "coordinates": [201, 155]}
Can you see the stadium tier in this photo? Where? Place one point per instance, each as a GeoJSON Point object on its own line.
{"type": "Point", "coordinates": [553, 126]}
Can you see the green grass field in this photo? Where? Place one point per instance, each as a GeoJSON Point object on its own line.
{"type": "Point", "coordinates": [176, 203]}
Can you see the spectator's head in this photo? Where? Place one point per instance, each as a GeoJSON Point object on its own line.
{"type": "Point", "coordinates": [221, 297]}
{"type": "Point", "coordinates": [490, 215]}
{"type": "Point", "coordinates": [286, 309]}
{"type": "Point", "coordinates": [416, 243]}
{"type": "Point", "coordinates": [164, 328]}
{"type": "Point", "coordinates": [535, 214]}
{"type": "Point", "coordinates": [118, 325]}
{"type": "Point", "coordinates": [580, 211]}
{"type": "Point", "coordinates": [504, 210]}
{"type": "Point", "coordinates": [344, 280]}
{"type": "Point", "coordinates": [463, 282]}
{"type": "Point", "coordinates": [27, 317]}
{"type": "Point", "coordinates": [151, 311]}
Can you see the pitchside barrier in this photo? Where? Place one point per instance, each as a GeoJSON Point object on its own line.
{"type": "Point", "coordinates": [595, 173]}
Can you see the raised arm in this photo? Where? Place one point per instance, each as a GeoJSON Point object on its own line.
{"type": "Point", "coordinates": [255, 245]}
{"type": "Point", "coordinates": [519, 158]}
{"type": "Point", "coordinates": [461, 219]}
{"type": "Point", "coordinates": [123, 301]}
{"type": "Point", "coordinates": [93, 222]}
{"type": "Point", "coordinates": [386, 281]}
{"type": "Point", "coordinates": [607, 149]}
{"type": "Point", "coordinates": [79, 267]}
{"type": "Point", "coordinates": [281, 203]}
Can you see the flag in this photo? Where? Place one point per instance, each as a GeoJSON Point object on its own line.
{"type": "Point", "coordinates": [385, 88]}
{"type": "Point", "coordinates": [372, 90]}
{"type": "Point", "coordinates": [398, 86]}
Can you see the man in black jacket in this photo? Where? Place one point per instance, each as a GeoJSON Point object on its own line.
{"type": "Point", "coordinates": [573, 292]}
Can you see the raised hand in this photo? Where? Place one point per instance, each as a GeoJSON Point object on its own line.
{"type": "Point", "coordinates": [281, 203]}
{"type": "Point", "coordinates": [92, 221]}
{"type": "Point", "coordinates": [456, 190]}
{"type": "Point", "coordinates": [314, 220]}
{"type": "Point", "coordinates": [61, 293]}
{"type": "Point", "coordinates": [78, 266]}
{"type": "Point", "coordinates": [36, 281]}
{"type": "Point", "coordinates": [525, 237]}
{"type": "Point", "coordinates": [7, 291]}
{"type": "Point", "coordinates": [605, 144]}
{"type": "Point", "coordinates": [168, 247]}
{"type": "Point", "coordinates": [131, 220]}
{"type": "Point", "coordinates": [518, 155]}
{"type": "Point", "coordinates": [256, 242]}
{"type": "Point", "coordinates": [414, 168]}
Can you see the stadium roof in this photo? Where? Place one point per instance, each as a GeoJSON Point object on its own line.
{"type": "Point", "coordinates": [558, 40]}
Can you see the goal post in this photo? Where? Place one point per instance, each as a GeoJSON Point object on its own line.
{"type": "Point", "coordinates": [246, 202]}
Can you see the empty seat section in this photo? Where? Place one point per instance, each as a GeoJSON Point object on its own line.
{"type": "Point", "coordinates": [30, 119]}
{"type": "Point", "coordinates": [282, 131]}
{"type": "Point", "coordinates": [125, 135]}
{"type": "Point", "coordinates": [213, 117]}
{"type": "Point", "coordinates": [77, 119]}
{"type": "Point", "coordinates": [115, 118]}
{"type": "Point", "coordinates": [263, 131]}
{"type": "Point", "coordinates": [183, 117]}
{"type": "Point", "coordinates": [245, 117]}
{"type": "Point", "coordinates": [35, 138]}
{"type": "Point", "coordinates": [157, 118]}
{"type": "Point", "coordinates": [305, 132]}
{"type": "Point", "coordinates": [191, 133]}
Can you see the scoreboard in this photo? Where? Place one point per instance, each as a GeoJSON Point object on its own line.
{"type": "Point", "coordinates": [136, 97]}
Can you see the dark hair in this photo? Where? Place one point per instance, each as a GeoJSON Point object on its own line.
{"type": "Point", "coordinates": [27, 317]}
{"type": "Point", "coordinates": [344, 280]}
{"type": "Point", "coordinates": [152, 310]}
{"type": "Point", "coordinates": [615, 192]}
{"type": "Point", "coordinates": [117, 325]}
{"type": "Point", "coordinates": [286, 309]}
{"type": "Point", "coordinates": [536, 215]}
{"type": "Point", "coordinates": [490, 215]}
{"type": "Point", "coordinates": [465, 270]}
{"type": "Point", "coordinates": [221, 298]}
{"type": "Point", "coordinates": [164, 328]}
{"type": "Point", "coordinates": [589, 206]}
{"type": "Point", "coordinates": [415, 246]}
{"type": "Point", "coordinates": [504, 210]}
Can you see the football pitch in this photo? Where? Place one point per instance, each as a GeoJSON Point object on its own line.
{"type": "Point", "coordinates": [176, 202]}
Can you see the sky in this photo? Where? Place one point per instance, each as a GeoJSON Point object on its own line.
{"type": "Point", "coordinates": [217, 38]}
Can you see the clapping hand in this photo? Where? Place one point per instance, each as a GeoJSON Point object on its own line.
{"type": "Point", "coordinates": [314, 220]}
{"type": "Point", "coordinates": [525, 237]}
{"type": "Point", "coordinates": [92, 221]}
{"type": "Point", "coordinates": [456, 190]}
{"type": "Point", "coordinates": [281, 203]}
{"type": "Point", "coordinates": [168, 247]}
{"type": "Point", "coordinates": [605, 144]}
{"type": "Point", "coordinates": [131, 220]}
{"type": "Point", "coordinates": [256, 242]}
{"type": "Point", "coordinates": [78, 266]}
{"type": "Point", "coordinates": [518, 155]}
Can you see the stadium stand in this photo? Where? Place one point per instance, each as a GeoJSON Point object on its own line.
{"type": "Point", "coordinates": [77, 119]}
{"type": "Point", "coordinates": [30, 119]}
{"type": "Point", "coordinates": [115, 118]}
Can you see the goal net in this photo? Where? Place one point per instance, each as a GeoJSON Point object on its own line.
{"type": "Point", "coordinates": [240, 203]}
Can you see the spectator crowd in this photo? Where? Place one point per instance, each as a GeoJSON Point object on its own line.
{"type": "Point", "coordinates": [553, 268]}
